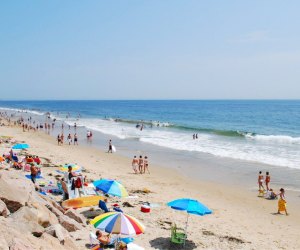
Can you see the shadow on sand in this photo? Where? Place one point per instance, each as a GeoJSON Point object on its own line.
{"type": "Point", "coordinates": [165, 243]}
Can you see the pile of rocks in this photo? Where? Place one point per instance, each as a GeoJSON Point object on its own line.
{"type": "Point", "coordinates": [30, 220]}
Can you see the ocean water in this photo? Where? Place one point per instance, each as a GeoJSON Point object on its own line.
{"type": "Point", "coordinates": [266, 132]}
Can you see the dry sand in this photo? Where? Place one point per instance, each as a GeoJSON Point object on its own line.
{"type": "Point", "coordinates": [240, 219]}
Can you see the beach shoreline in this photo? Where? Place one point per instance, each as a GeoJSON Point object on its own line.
{"type": "Point", "coordinates": [238, 213]}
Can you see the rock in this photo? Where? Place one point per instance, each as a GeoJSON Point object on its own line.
{"type": "Point", "coordinates": [69, 224]}
{"type": "Point", "coordinates": [54, 204]}
{"type": "Point", "coordinates": [18, 244]}
{"type": "Point", "coordinates": [58, 232]}
{"type": "Point", "coordinates": [54, 210]}
{"type": "Point", "coordinates": [3, 244]}
{"type": "Point", "coordinates": [27, 220]}
{"type": "Point", "coordinates": [74, 215]}
{"type": "Point", "coordinates": [14, 191]}
{"type": "Point", "coordinates": [44, 215]}
{"type": "Point", "coordinates": [3, 209]}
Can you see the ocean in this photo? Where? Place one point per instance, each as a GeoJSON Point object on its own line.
{"type": "Point", "coordinates": [250, 132]}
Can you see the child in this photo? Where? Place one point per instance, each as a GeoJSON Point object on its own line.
{"type": "Point", "coordinates": [282, 202]}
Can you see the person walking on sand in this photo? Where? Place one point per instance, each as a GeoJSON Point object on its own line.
{"type": "Point", "coordinates": [135, 163]}
{"type": "Point", "coordinates": [260, 181]}
{"type": "Point", "coordinates": [141, 164]}
{"type": "Point", "coordinates": [75, 139]}
{"type": "Point", "coordinates": [62, 138]}
{"type": "Point", "coordinates": [109, 147]}
{"type": "Point", "coordinates": [69, 139]}
{"type": "Point", "coordinates": [146, 164]}
{"type": "Point", "coordinates": [282, 202]}
{"type": "Point", "coordinates": [267, 180]}
{"type": "Point", "coordinates": [58, 139]}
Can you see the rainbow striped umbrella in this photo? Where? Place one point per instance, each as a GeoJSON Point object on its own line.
{"type": "Point", "coordinates": [111, 187]}
{"type": "Point", "coordinates": [118, 223]}
{"type": "Point", "coordinates": [75, 168]}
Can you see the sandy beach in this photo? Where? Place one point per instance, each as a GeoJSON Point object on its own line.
{"type": "Point", "coordinates": [240, 219]}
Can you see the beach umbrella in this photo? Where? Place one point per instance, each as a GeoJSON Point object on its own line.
{"type": "Point", "coordinates": [75, 168]}
{"type": "Point", "coordinates": [190, 206]}
{"type": "Point", "coordinates": [118, 223]}
{"type": "Point", "coordinates": [20, 146]}
{"type": "Point", "coordinates": [111, 187]}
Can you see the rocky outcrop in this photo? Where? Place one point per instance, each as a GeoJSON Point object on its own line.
{"type": "Point", "coordinates": [3, 244]}
{"type": "Point", "coordinates": [18, 244]}
{"type": "Point", "coordinates": [3, 209]}
{"type": "Point", "coordinates": [69, 224]}
{"type": "Point", "coordinates": [76, 216]}
{"type": "Point", "coordinates": [58, 232]}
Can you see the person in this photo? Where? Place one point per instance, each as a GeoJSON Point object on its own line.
{"type": "Point", "coordinates": [146, 164]}
{"type": "Point", "coordinates": [271, 194]}
{"type": "Point", "coordinates": [282, 202]}
{"type": "Point", "coordinates": [33, 173]}
{"type": "Point", "coordinates": [122, 246]}
{"type": "Point", "coordinates": [141, 164]}
{"type": "Point", "coordinates": [69, 139]}
{"type": "Point", "coordinates": [71, 174]}
{"type": "Point", "coordinates": [75, 139]}
{"type": "Point", "coordinates": [135, 163]}
{"type": "Point", "coordinates": [260, 181]}
{"type": "Point", "coordinates": [62, 139]}
{"type": "Point", "coordinates": [267, 180]}
{"type": "Point", "coordinates": [104, 239]}
{"type": "Point", "coordinates": [109, 147]}
{"type": "Point", "coordinates": [65, 189]}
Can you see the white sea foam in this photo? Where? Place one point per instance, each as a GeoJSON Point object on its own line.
{"type": "Point", "coordinates": [263, 149]}
{"type": "Point", "coordinates": [275, 138]}
{"type": "Point", "coordinates": [22, 111]}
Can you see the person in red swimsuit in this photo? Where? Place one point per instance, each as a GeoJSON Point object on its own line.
{"type": "Point", "coordinates": [267, 180]}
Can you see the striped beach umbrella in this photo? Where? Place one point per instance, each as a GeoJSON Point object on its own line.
{"type": "Point", "coordinates": [111, 187]}
{"type": "Point", "coordinates": [118, 223]}
{"type": "Point", "coordinates": [75, 168]}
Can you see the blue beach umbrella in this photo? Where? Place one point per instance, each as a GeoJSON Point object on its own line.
{"type": "Point", "coordinates": [111, 187]}
{"type": "Point", "coordinates": [20, 146]}
{"type": "Point", "coordinates": [190, 206]}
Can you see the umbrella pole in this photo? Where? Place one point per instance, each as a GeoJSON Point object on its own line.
{"type": "Point", "coordinates": [186, 227]}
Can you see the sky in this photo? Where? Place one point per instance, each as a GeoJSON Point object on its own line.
{"type": "Point", "coordinates": [154, 49]}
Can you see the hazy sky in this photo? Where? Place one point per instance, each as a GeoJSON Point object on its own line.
{"type": "Point", "coordinates": [149, 49]}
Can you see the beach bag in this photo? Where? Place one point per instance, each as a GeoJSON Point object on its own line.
{"type": "Point", "coordinates": [78, 183]}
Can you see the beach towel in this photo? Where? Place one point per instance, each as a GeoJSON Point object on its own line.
{"type": "Point", "coordinates": [28, 176]}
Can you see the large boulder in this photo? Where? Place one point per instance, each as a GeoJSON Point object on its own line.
{"type": "Point", "coordinates": [76, 216]}
{"type": "Point", "coordinates": [69, 224]}
{"type": "Point", "coordinates": [3, 209]}
{"type": "Point", "coordinates": [58, 232]}
{"type": "Point", "coordinates": [27, 220]}
{"type": "Point", "coordinates": [3, 244]}
{"type": "Point", "coordinates": [14, 191]}
{"type": "Point", "coordinates": [44, 215]}
{"type": "Point", "coordinates": [18, 244]}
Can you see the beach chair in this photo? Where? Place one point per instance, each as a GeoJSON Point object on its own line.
{"type": "Point", "coordinates": [178, 235]}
